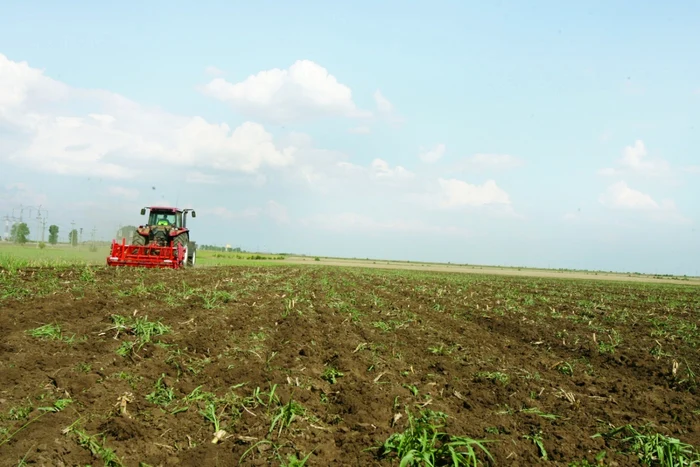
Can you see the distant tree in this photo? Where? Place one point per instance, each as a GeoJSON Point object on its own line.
{"type": "Point", "coordinates": [53, 234]}
{"type": "Point", "coordinates": [73, 237]}
{"type": "Point", "coordinates": [126, 231]}
{"type": "Point", "coordinates": [20, 233]}
{"type": "Point", "coordinates": [219, 248]}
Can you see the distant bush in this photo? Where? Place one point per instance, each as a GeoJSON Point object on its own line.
{"type": "Point", "coordinates": [42, 245]}
{"type": "Point", "coordinates": [249, 257]}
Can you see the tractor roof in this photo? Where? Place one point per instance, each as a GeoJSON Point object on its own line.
{"type": "Point", "coordinates": [164, 209]}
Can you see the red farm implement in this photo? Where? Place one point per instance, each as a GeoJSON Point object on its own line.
{"type": "Point", "coordinates": [164, 242]}
{"type": "Point", "coordinates": [146, 256]}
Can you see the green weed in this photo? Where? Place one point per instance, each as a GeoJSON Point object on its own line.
{"type": "Point", "coordinates": [96, 448]}
{"type": "Point", "coordinates": [141, 328]}
{"type": "Point", "coordinates": [423, 443]}
{"type": "Point", "coordinates": [654, 449]}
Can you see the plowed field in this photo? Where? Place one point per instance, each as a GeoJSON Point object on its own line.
{"type": "Point", "coordinates": [264, 365]}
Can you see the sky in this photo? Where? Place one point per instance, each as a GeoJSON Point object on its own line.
{"type": "Point", "coordinates": [499, 133]}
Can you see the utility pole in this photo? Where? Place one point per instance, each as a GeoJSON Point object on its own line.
{"type": "Point", "coordinates": [38, 223]}
{"type": "Point", "coordinates": [92, 238]}
{"type": "Point", "coordinates": [43, 225]}
{"type": "Point", "coordinates": [38, 218]}
{"type": "Point", "coordinates": [42, 221]}
{"type": "Point", "coordinates": [7, 225]}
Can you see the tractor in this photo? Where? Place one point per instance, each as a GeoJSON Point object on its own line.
{"type": "Point", "coordinates": [163, 242]}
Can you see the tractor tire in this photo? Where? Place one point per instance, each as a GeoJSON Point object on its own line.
{"type": "Point", "coordinates": [182, 239]}
{"type": "Point", "coordinates": [191, 254]}
{"type": "Point", "coordinates": [138, 240]}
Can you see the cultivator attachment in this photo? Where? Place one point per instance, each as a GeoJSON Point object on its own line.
{"type": "Point", "coordinates": [146, 256]}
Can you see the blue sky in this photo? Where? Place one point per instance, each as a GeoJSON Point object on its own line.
{"type": "Point", "coordinates": [514, 133]}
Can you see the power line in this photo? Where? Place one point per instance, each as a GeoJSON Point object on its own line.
{"type": "Point", "coordinates": [41, 221]}
{"type": "Point", "coordinates": [9, 220]}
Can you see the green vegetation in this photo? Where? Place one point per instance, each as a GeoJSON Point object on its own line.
{"type": "Point", "coordinates": [654, 449]}
{"type": "Point", "coordinates": [423, 444]}
{"type": "Point", "coordinates": [62, 255]}
{"type": "Point", "coordinates": [73, 237]}
{"type": "Point", "coordinates": [53, 234]}
{"type": "Point", "coordinates": [19, 233]}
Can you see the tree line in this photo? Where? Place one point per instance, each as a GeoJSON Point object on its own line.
{"type": "Point", "coordinates": [219, 248]}
{"type": "Point", "coordinates": [19, 233]}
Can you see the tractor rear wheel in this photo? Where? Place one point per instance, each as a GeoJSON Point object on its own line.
{"type": "Point", "coordinates": [182, 239]}
{"type": "Point", "coordinates": [138, 239]}
{"type": "Point", "coordinates": [191, 254]}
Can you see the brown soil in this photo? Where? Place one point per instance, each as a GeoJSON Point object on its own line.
{"type": "Point", "coordinates": [502, 271]}
{"type": "Point", "coordinates": [505, 358]}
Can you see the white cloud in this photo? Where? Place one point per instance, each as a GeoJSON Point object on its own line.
{"type": "Point", "coordinates": [457, 193]}
{"type": "Point", "coordinates": [304, 91]}
{"type": "Point", "coordinates": [331, 172]}
{"type": "Point", "coordinates": [119, 139]}
{"type": "Point", "coordinates": [635, 160]}
{"type": "Point", "coordinates": [122, 192]}
{"type": "Point", "coordinates": [74, 145]}
{"type": "Point", "coordinates": [490, 161]}
{"type": "Point", "coordinates": [21, 86]}
{"type": "Point", "coordinates": [297, 139]}
{"type": "Point", "coordinates": [692, 169]}
{"type": "Point", "coordinates": [620, 196]}
{"type": "Point", "coordinates": [104, 120]}
{"type": "Point", "coordinates": [246, 149]}
{"type": "Point", "coordinates": [433, 155]}
{"type": "Point", "coordinates": [115, 137]}
{"type": "Point", "coordinates": [98, 133]}
{"type": "Point", "coordinates": [380, 169]}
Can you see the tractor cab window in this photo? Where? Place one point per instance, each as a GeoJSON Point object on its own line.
{"type": "Point", "coordinates": [162, 218]}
